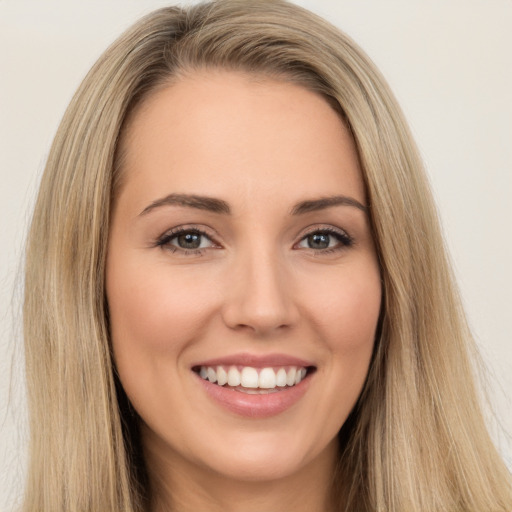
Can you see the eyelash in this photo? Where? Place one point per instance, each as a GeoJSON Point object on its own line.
{"type": "Point", "coordinates": [165, 240]}
{"type": "Point", "coordinates": [345, 240]}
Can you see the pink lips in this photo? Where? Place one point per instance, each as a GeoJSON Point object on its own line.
{"type": "Point", "coordinates": [256, 361]}
{"type": "Point", "coordinates": [255, 405]}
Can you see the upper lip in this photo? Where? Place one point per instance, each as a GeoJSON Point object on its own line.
{"type": "Point", "coordinates": [255, 360]}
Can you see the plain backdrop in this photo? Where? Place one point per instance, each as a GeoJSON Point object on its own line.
{"type": "Point", "coordinates": [449, 63]}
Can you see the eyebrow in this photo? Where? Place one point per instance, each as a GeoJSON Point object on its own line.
{"type": "Point", "coordinates": [327, 202]}
{"type": "Point", "coordinates": [210, 204]}
{"type": "Point", "coordinates": [219, 206]}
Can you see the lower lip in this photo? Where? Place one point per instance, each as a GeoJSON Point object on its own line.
{"type": "Point", "coordinates": [256, 406]}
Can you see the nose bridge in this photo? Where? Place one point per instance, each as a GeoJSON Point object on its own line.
{"type": "Point", "coordinates": [260, 295]}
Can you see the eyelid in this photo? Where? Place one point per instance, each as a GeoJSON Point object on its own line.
{"type": "Point", "coordinates": [163, 240]}
{"type": "Point", "coordinates": [345, 239]}
{"type": "Point", "coordinates": [314, 228]}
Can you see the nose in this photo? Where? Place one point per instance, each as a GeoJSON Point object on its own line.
{"type": "Point", "coordinates": [260, 297]}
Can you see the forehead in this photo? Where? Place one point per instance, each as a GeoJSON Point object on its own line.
{"type": "Point", "coordinates": [231, 133]}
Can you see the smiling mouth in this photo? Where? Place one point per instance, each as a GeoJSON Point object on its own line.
{"type": "Point", "coordinates": [251, 380]}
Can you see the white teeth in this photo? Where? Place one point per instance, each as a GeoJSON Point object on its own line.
{"type": "Point", "coordinates": [252, 378]}
{"type": "Point", "coordinates": [222, 376]}
{"type": "Point", "coordinates": [249, 377]}
{"type": "Point", "coordinates": [212, 375]}
{"type": "Point", "coordinates": [267, 379]}
{"type": "Point", "coordinates": [281, 378]}
{"type": "Point", "coordinates": [233, 377]}
{"type": "Point", "coordinates": [290, 377]}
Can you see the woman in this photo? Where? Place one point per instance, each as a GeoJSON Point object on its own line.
{"type": "Point", "coordinates": [236, 293]}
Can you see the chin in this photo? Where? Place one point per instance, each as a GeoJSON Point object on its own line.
{"type": "Point", "coordinates": [264, 456]}
{"type": "Point", "coordinates": [252, 467]}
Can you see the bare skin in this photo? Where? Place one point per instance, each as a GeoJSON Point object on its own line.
{"type": "Point", "coordinates": [241, 234]}
{"type": "Point", "coordinates": [200, 490]}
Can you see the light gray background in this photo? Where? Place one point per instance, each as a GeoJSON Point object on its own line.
{"type": "Point", "coordinates": [450, 65]}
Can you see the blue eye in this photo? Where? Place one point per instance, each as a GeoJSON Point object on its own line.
{"type": "Point", "coordinates": [325, 239]}
{"type": "Point", "coordinates": [185, 240]}
{"type": "Point", "coordinates": [194, 241]}
{"type": "Point", "coordinates": [189, 240]}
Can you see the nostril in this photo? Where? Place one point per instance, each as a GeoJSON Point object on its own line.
{"type": "Point", "coordinates": [260, 304]}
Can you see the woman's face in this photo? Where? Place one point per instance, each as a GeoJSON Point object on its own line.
{"type": "Point", "coordinates": [240, 252]}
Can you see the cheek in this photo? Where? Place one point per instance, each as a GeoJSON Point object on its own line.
{"type": "Point", "coordinates": [152, 309]}
{"type": "Point", "coordinates": [346, 309]}
{"type": "Point", "coordinates": [155, 314]}
{"type": "Point", "coordinates": [346, 318]}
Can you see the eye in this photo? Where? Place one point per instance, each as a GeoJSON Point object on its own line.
{"type": "Point", "coordinates": [190, 240]}
{"type": "Point", "coordinates": [325, 240]}
{"type": "Point", "coordinates": [186, 240]}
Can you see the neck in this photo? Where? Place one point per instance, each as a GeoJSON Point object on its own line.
{"type": "Point", "coordinates": [178, 485]}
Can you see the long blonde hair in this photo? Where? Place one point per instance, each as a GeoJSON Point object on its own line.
{"type": "Point", "coordinates": [416, 440]}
